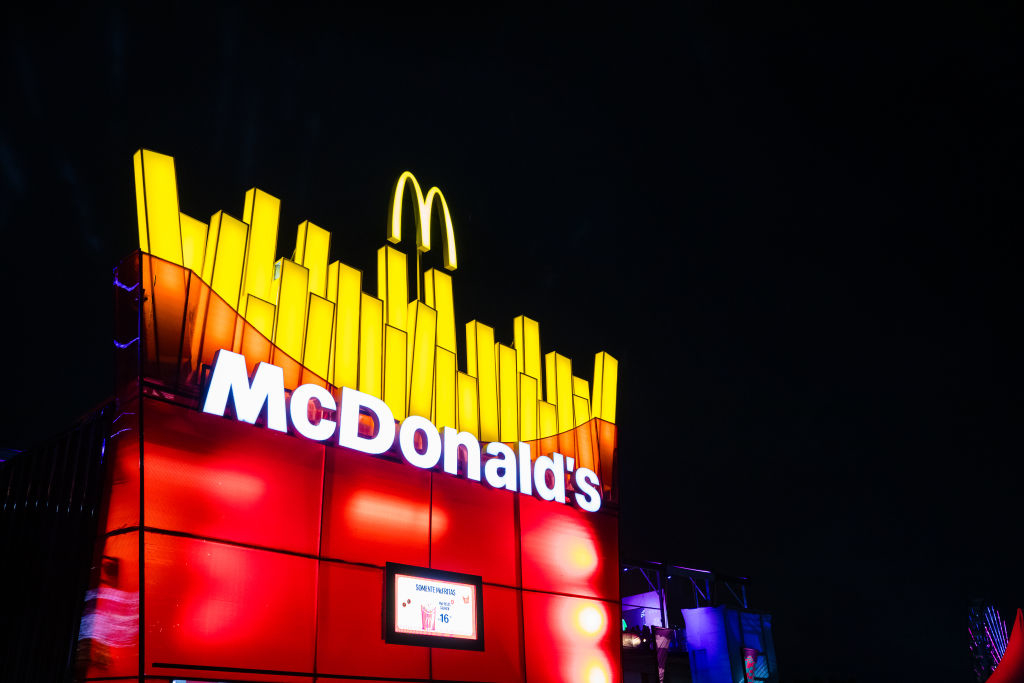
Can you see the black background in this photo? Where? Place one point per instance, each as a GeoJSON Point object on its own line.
{"type": "Point", "coordinates": [796, 230]}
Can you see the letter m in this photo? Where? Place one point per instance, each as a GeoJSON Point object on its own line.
{"type": "Point", "coordinates": [231, 380]}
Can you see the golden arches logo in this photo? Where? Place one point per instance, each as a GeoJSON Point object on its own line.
{"type": "Point", "coordinates": [425, 206]}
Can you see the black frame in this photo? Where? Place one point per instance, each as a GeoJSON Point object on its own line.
{"type": "Point", "coordinates": [445, 642]}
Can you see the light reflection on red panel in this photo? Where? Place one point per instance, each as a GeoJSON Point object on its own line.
{"type": "Point", "coordinates": [568, 550]}
{"type": "Point", "coordinates": [217, 477]}
{"type": "Point", "coordinates": [500, 661]}
{"type": "Point", "coordinates": [220, 605]}
{"type": "Point", "coordinates": [122, 457]}
{"type": "Point", "coordinates": [109, 634]}
{"type": "Point", "coordinates": [479, 537]}
{"type": "Point", "coordinates": [571, 639]}
{"type": "Point", "coordinates": [376, 510]}
{"type": "Point", "coordinates": [350, 638]}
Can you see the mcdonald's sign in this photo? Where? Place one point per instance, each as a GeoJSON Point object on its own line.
{"type": "Point", "coordinates": [315, 478]}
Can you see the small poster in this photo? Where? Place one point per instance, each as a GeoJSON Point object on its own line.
{"type": "Point", "coordinates": [433, 608]}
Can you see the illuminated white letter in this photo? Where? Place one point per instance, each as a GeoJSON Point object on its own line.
{"type": "Point", "coordinates": [556, 465]}
{"type": "Point", "coordinates": [500, 472]}
{"type": "Point", "coordinates": [407, 441]}
{"type": "Point", "coordinates": [524, 468]}
{"type": "Point", "coordinates": [230, 378]}
{"type": "Point", "coordinates": [452, 440]}
{"type": "Point", "coordinates": [299, 410]}
{"type": "Point", "coordinates": [585, 482]}
{"type": "Point", "coordinates": [348, 423]}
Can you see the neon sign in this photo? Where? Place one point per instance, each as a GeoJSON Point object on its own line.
{"type": "Point", "coordinates": [420, 443]}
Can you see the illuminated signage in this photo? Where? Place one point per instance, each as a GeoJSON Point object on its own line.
{"type": "Point", "coordinates": [420, 443]}
{"type": "Point", "coordinates": [433, 608]}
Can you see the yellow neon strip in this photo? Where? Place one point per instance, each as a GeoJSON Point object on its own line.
{"type": "Point", "coordinates": [193, 242]}
{"type": "Point", "coordinates": [528, 408]}
{"type": "Point", "coordinates": [210, 254]}
{"type": "Point", "coordinates": [508, 397]}
{"type": "Point", "coordinates": [425, 207]}
{"type": "Point", "coordinates": [291, 283]}
{"type": "Point", "coordinates": [444, 414]}
{"type": "Point", "coordinates": [437, 294]}
{"type": "Point", "coordinates": [158, 216]}
{"type": "Point", "coordinates": [261, 213]}
{"type": "Point", "coordinates": [527, 343]}
{"type": "Point", "coordinates": [346, 284]}
{"type": "Point", "coordinates": [260, 314]}
{"type": "Point", "coordinates": [468, 415]}
{"type": "Point", "coordinates": [316, 353]}
{"type": "Point", "coordinates": [393, 286]}
{"type": "Point", "coordinates": [371, 345]}
{"type": "Point", "coordinates": [480, 363]}
{"type": "Point", "coordinates": [559, 386]}
{"type": "Point", "coordinates": [313, 250]}
{"type": "Point", "coordinates": [547, 416]}
{"type": "Point", "coordinates": [140, 202]}
{"type": "Point", "coordinates": [606, 375]}
{"type": "Point", "coordinates": [581, 409]}
{"type": "Point", "coordinates": [227, 257]}
{"type": "Point", "coordinates": [394, 370]}
{"type": "Point", "coordinates": [420, 358]}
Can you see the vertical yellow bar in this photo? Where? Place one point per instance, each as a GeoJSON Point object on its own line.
{"type": "Point", "coordinates": [559, 385]}
{"type": "Point", "coordinates": [261, 212]}
{"type": "Point", "coordinates": [580, 400]}
{"type": "Point", "coordinates": [581, 409]}
{"type": "Point", "coordinates": [468, 415]}
{"type": "Point", "coordinates": [394, 370]}
{"type": "Point", "coordinates": [438, 295]}
{"type": "Point", "coordinates": [528, 408]}
{"type": "Point", "coordinates": [210, 255]}
{"type": "Point", "coordinates": [480, 363]}
{"type": "Point", "coordinates": [140, 202]}
{"type": "Point", "coordinates": [527, 343]}
{"type": "Point", "coordinates": [347, 285]}
{"type": "Point", "coordinates": [157, 205]}
{"type": "Point", "coordinates": [313, 250]}
{"type": "Point", "coordinates": [393, 286]}
{"type": "Point", "coordinates": [547, 416]}
{"type": "Point", "coordinates": [316, 353]}
{"type": "Point", "coordinates": [445, 395]}
{"type": "Point", "coordinates": [420, 358]}
{"type": "Point", "coordinates": [292, 282]}
{"type": "Point", "coordinates": [193, 242]}
{"type": "Point", "coordinates": [371, 345]}
{"type": "Point", "coordinates": [260, 314]}
{"type": "Point", "coordinates": [606, 375]}
{"type": "Point", "coordinates": [227, 258]}
{"type": "Point", "coordinates": [508, 397]}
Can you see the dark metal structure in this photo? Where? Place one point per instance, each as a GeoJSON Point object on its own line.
{"type": "Point", "coordinates": [49, 502]}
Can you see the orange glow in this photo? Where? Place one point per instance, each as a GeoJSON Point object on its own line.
{"type": "Point", "coordinates": [596, 672]}
{"type": "Point", "coordinates": [590, 620]}
{"type": "Point", "coordinates": [582, 555]}
{"type": "Point", "coordinates": [373, 513]}
{"type": "Point", "coordinates": [232, 486]}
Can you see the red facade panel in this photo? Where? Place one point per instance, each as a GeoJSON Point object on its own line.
{"type": "Point", "coordinates": [571, 639]}
{"type": "Point", "coordinates": [376, 510]}
{"type": "Point", "coordinates": [473, 530]}
{"type": "Point", "coordinates": [566, 550]}
{"type": "Point", "coordinates": [219, 478]}
{"type": "Point", "coordinates": [501, 661]}
{"type": "Point", "coordinates": [350, 638]}
{"type": "Point", "coordinates": [218, 605]}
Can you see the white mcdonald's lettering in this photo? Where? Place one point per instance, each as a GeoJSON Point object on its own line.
{"type": "Point", "coordinates": [419, 442]}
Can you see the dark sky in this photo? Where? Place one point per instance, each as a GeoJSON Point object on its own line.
{"type": "Point", "coordinates": [798, 232]}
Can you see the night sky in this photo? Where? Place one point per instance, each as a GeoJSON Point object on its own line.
{"type": "Point", "coordinates": [798, 233]}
